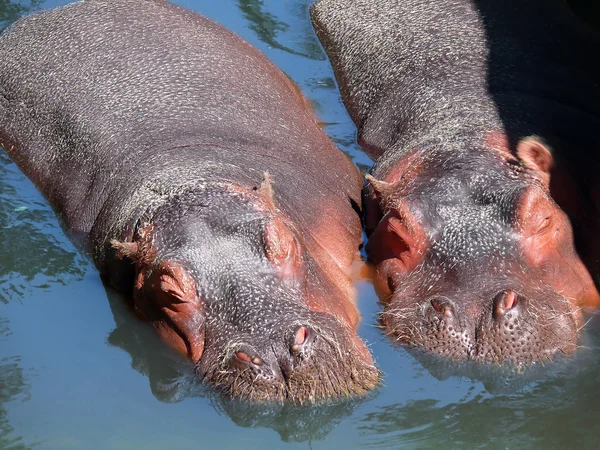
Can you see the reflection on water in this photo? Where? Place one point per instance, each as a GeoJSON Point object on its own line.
{"type": "Point", "coordinates": [172, 380]}
{"type": "Point", "coordinates": [263, 23]}
{"type": "Point", "coordinates": [78, 370]}
{"type": "Point", "coordinates": [170, 376]}
{"type": "Point", "coordinates": [11, 10]}
{"type": "Point", "coordinates": [292, 423]}
{"type": "Point", "coordinates": [12, 387]}
{"type": "Point", "coordinates": [558, 411]}
{"type": "Point", "coordinates": [270, 30]}
{"type": "Point", "coordinates": [34, 253]}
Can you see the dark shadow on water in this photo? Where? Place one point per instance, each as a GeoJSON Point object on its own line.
{"type": "Point", "coordinates": [172, 380]}
{"type": "Point", "coordinates": [543, 70]}
{"type": "Point", "coordinates": [34, 253]}
{"type": "Point", "coordinates": [544, 77]}
{"type": "Point", "coordinates": [587, 10]}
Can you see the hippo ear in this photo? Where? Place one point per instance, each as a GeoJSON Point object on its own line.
{"type": "Point", "coordinates": [399, 238]}
{"type": "Point", "coordinates": [282, 247]}
{"type": "Point", "coordinates": [375, 200]}
{"type": "Point", "coordinates": [167, 297]}
{"type": "Point", "coordinates": [382, 189]}
{"type": "Point", "coordinates": [536, 156]}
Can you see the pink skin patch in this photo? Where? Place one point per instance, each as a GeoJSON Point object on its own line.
{"type": "Point", "coordinates": [498, 141]}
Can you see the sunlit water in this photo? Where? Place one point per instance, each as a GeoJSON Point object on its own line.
{"type": "Point", "coordinates": [77, 370]}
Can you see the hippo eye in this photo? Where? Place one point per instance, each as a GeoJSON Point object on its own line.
{"type": "Point", "coordinates": [544, 224]}
{"type": "Point", "coordinates": [537, 213]}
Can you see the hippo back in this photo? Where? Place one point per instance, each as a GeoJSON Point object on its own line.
{"type": "Point", "coordinates": [463, 63]}
{"type": "Point", "coordinates": [131, 109]}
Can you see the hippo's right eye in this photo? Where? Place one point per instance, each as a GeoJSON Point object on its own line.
{"type": "Point", "coordinates": [536, 213]}
{"type": "Point", "coordinates": [544, 224]}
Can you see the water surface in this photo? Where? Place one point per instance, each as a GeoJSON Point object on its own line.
{"type": "Point", "coordinates": [79, 371]}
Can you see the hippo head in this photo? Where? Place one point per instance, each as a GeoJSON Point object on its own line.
{"type": "Point", "coordinates": [225, 278]}
{"type": "Point", "coordinates": [475, 261]}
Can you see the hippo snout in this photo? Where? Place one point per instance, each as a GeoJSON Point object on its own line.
{"type": "Point", "coordinates": [299, 363]}
{"type": "Point", "coordinates": [527, 329]}
{"type": "Point", "coordinates": [267, 366]}
{"type": "Point", "coordinates": [505, 326]}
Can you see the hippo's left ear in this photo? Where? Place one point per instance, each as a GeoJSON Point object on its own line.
{"type": "Point", "coordinates": [537, 157]}
{"type": "Point", "coordinates": [282, 247]}
{"type": "Point", "coordinates": [167, 296]}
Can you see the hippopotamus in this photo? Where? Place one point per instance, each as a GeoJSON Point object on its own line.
{"type": "Point", "coordinates": [482, 119]}
{"type": "Point", "coordinates": [198, 179]}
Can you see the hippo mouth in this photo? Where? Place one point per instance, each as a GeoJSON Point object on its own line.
{"type": "Point", "coordinates": [512, 330]}
{"type": "Point", "coordinates": [319, 369]}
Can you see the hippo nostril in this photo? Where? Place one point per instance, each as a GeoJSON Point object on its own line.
{"type": "Point", "coordinates": [257, 360]}
{"type": "Point", "coordinates": [244, 357]}
{"type": "Point", "coordinates": [442, 307]}
{"type": "Point", "coordinates": [301, 339]}
{"type": "Point", "coordinates": [301, 335]}
{"type": "Point", "coordinates": [245, 362]}
{"type": "Point", "coordinates": [503, 302]}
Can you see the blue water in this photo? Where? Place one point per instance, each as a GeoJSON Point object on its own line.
{"type": "Point", "coordinates": [79, 371]}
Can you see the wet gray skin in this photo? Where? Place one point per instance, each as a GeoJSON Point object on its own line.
{"type": "Point", "coordinates": [474, 296]}
{"type": "Point", "coordinates": [192, 171]}
{"type": "Point", "coordinates": [480, 115]}
{"type": "Point", "coordinates": [261, 343]}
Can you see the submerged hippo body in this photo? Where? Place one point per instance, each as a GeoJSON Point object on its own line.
{"type": "Point", "coordinates": [197, 176]}
{"type": "Point", "coordinates": [482, 116]}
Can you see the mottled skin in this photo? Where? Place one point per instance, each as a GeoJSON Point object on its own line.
{"type": "Point", "coordinates": [482, 116]}
{"type": "Point", "coordinates": [199, 179]}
